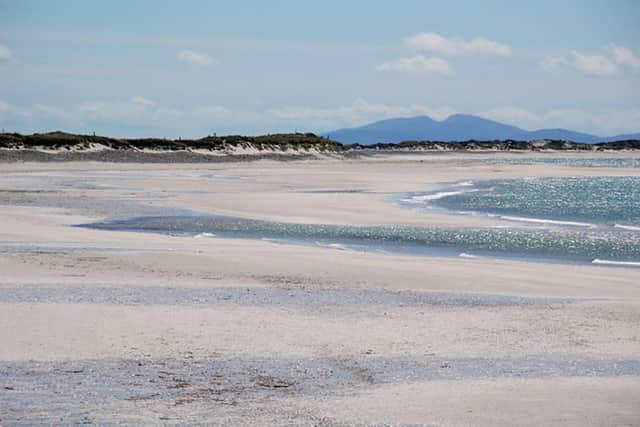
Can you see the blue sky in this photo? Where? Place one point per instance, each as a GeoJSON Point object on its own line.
{"type": "Point", "coordinates": [191, 68]}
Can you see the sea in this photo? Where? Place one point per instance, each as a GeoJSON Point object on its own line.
{"type": "Point", "coordinates": [608, 162]}
{"type": "Point", "coordinates": [594, 220]}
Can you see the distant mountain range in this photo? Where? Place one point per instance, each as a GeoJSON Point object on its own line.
{"type": "Point", "coordinates": [458, 127]}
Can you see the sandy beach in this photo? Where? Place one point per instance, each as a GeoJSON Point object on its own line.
{"type": "Point", "coordinates": [101, 326]}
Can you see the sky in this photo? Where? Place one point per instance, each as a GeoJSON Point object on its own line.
{"type": "Point", "coordinates": [194, 68]}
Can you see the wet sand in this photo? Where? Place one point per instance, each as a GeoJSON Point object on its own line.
{"type": "Point", "coordinates": [106, 326]}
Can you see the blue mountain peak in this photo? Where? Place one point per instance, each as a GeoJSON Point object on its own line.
{"type": "Point", "coordinates": [457, 127]}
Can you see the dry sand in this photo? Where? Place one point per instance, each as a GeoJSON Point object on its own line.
{"type": "Point", "coordinates": [105, 326]}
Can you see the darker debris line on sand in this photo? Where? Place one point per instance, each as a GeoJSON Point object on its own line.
{"type": "Point", "coordinates": [296, 298]}
{"type": "Point", "coordinates": [188, 389]}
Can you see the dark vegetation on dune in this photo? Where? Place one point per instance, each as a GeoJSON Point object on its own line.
{"type": "Point", "coordinates": [504, 145]}
{"type": "Point", "coordinates": [66, 146]}
{"type": "Point", "coordinates": [62, 141]}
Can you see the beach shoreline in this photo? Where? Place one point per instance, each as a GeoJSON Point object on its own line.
{"type": "Point", "coordinates": [252, 331]}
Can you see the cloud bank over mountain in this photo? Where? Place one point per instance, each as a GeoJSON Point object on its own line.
{"type": "Point", "coordinates": [458, 127]}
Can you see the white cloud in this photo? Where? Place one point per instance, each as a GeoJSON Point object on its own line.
{"type": "Point", "coordinates": [553, 63]}
{"type": "Point", "coordinates": [358, 113]}
{"type": "Point", "coordinates": [625, 56]}
{"type": "Point", "coordinates": [150, 119]}
{"type": "Point", "coordinates": [434, 42]}
{"type": "Point", "coordinates": [49, 111]}
{"type": "Point", "coordinates": [5, 53]}
{"type": "Point", "coordinates": [417, 64]}
{"type": "Point", "coordinates": [194, 58]}
{"type": "Point", "coordinates": [362, 112]}
{"type": "Point", "coordinates": [512, 115]}
{"type": "Point", "coordinates": [606, 123]}
{"type": "Point", "coordinates": [141, 100]}
{"type": "Point", "coordinates": [598, 65]}
{"type": "Point", "coordinates": [606, 63]}
{"type": "Point", "coordinates": [7, 108]}
{"type": "Point", "coordinates": [590, 64]}
{"type": "Point", "coordinates": [137, 108]}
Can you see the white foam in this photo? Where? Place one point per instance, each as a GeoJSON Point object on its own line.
{"type": "Point", "coordinates": [429, 197]}
{"type": "Point", "coordinates": [337, 246]}
{"type": "Point", "coordinates": [468, 256]}
{"type": "Point", "coordinates": [548, 221]}
{"type": "Point", "coordinates": [627, 227]}
{"type": "Point", "coordinates": [622, 263]}
{"type": "Point", "coordinates": [465, 184]}
{"type": "Point", "coordinates": [201, 235]}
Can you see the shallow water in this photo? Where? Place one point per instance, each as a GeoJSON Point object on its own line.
{"type": "Point", "coordinates": [593, 220]}
{"type": "Point", "coordinates": [581, 246]}
{"type": "Point", "coordinates": [609, 162]}
{"type": "Point", "coordinates": [587, 201]}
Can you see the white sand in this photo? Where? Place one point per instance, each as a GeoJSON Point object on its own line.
{"type": "Point", "coordinates": [604, 326]}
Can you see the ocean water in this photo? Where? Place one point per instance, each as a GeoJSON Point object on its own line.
{"type": "Point", "coordinates": [581, 246]}
{"type": "Point", "coordinates": [609, 162]}
{"type": "Point", "coordinates": [566, 220]}
{"type": "Point", "coordinates": [595, 202]}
